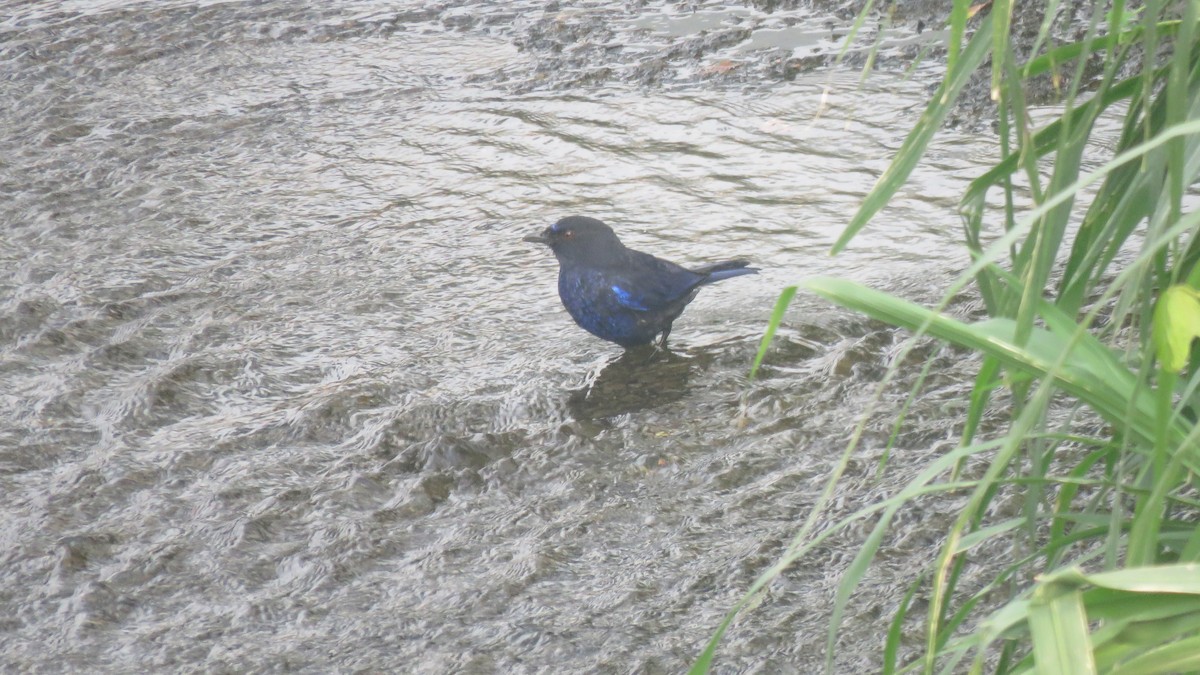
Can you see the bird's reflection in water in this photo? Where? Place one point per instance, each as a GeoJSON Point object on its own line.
{"type": "Point", "coordinates": [640, 379]}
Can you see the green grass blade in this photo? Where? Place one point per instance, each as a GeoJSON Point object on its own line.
{"type": "Point", "coordinates": [1176, 657]}
{"type": "Point", "coordinates": [1071, 51]}
{"type": "Point", "coordinates": [1001, 15]}
{"type": "Point", "coordinates": [781, 305]}
{"type": "Point", "coordinates": [1059, 627]}
{"type": "Point", "coordinates": [918, 139]}
{"type": "Point", "coordinates": [1158, 579]}
{"type": "Point", "coordinates": [895, 634]}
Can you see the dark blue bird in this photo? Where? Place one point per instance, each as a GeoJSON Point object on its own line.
{"type": "Point", "coordinates": [619, 294]}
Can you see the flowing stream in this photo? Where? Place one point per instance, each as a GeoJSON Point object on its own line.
{"type": "Point", "coordinates": [281, 388]}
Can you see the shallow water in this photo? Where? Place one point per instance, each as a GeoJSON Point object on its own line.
{"type": "Point", "coordinates": [282, 388]}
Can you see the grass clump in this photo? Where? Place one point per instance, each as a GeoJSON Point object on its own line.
{"type": "Point", "coordinates": [1091, 303]}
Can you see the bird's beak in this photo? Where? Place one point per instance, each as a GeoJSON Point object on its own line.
{"type": "Point", "coordinates": [540, 238]}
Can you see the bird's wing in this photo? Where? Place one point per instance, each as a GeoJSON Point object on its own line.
{"type": "Point", "coordinates": [627, 298]}
{"type": "Point", "coordinates": [653, 284]}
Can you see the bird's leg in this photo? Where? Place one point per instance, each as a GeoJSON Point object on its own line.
{"type": "Point", "coordinates": [662, 341]}
{"type": "Point", "coordinates": [650, 351]}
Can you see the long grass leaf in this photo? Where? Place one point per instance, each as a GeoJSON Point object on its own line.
{"type": "Point", "coordinates": [957, 76]}
{"type": "Point", "coordinates": [1073, 50]}
{"type": "Point", "coordinates": [781, 305]}
{"type": "Point", "coordinates": [1176, 657]}
{"type": "Point", "coordinates": [1058, 625]}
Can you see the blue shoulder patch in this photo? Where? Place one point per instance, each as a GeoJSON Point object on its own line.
{"type": "Point", "coordinates": [626, 298]}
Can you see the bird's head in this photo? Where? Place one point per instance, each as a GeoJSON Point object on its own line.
{"type": "Point", "coordinates": [579, 237]}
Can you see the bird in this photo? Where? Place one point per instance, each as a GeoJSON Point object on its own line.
{"type": "Point", "coordinates": [619, 294]}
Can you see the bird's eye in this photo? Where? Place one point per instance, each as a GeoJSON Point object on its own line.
{"type": "Point", "coordinates": [568, 234]}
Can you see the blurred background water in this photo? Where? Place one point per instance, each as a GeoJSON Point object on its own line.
{"type": "Point", "coordinates": [281, 388]}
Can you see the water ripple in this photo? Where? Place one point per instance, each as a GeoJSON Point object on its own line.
{"type": "Point", "coordinates": [282, 388]}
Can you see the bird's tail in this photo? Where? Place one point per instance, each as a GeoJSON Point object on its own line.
{"type": "Point", "coordinates": [724, 270]}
